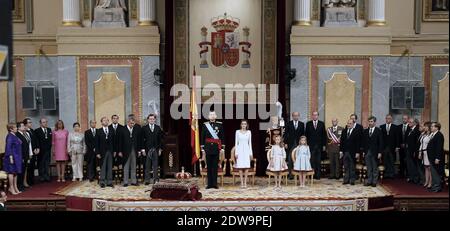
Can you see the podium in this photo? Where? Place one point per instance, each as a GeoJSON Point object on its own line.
{"type": "Point", "coordinates": [171, 156]}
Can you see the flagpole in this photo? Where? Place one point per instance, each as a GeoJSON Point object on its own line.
{"type": "Point", "coordinates": [194, 165]}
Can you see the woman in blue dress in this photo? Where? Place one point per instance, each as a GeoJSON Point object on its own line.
{"type": "Point", "coordinates": [12, 162]}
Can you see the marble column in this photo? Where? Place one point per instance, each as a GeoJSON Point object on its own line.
{"type": "Point", "coordinates": [71, 13]}
{"type": "Point", "coordinates": [376, 16]}
{"type": "Point", "coordinates": [147, 12]}
{"type": "Point", "coordinates": [302, 12]}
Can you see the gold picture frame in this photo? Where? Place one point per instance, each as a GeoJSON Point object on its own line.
{"type": "Point", "coordinates": [435, 10]}
{"type": "Point", "coordinates": [18, 10]}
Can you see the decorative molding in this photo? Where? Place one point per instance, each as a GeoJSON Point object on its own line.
{"type": "Point", "coordinates": [84, 62]}
{"type": "Point", "coordinates": [428, 63]}
{"type": "Point", "coordinates": [269, 41]}
{"type": "Point", "coordinates": [428, 15]}
{"type": "Point", "coordinates": [361, 4]}
{"type": "Point", "coordinates": [181, 46]}
{"type": "Point", "coordinates": [442, 107]}
{"type": "Point", "coordinates": [364, 62]}
{"type": "Point", "coordinates": [133, 10]}
{"type": "Point", "coordinates": [18, 11]}
{"type": "Point", "coordinates": [86, 12]}
{"type": "Point", "coordinates": [315, 10]}
{"type": "Point", "coordinates": [19, 78]}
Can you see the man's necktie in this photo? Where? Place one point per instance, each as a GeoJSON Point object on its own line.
{"type": "Point", "coordinates": [370, 131]}
{"type": "Point", "coordinates": [349, 133]}
{"type": "Point", "coordinates": [388, 128]}
{"type": "Point", "coordinates": [27, 136]}
{"type": "Point", "coordinates": [315, 124]}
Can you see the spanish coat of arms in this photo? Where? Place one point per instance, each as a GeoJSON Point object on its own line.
{"type": "Point", "coordinates": [225, 43]}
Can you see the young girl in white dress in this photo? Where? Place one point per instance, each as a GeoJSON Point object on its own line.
{"type": "Point", "coordinates": [301, 157]}
{"type": "Point", "coordinates": [277, 160]}
{"type": "Point", "coordinates": [243, 152]}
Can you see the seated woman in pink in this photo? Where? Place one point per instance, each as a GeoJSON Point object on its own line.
{"type": "Point", "coordinates": [59, 144]}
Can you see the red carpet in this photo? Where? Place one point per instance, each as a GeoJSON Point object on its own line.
{"type": "Point", "coordinates": [41, 191]}
{"type": "Point", "coordinates": [399, 187]}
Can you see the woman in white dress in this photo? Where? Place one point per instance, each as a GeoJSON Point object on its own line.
{"type": "Point", "coordinates": [76, 149]}
{"type": "Point", "coordinates": [424, 139]}
{"type": "Point", "coordinates": [277, 160]}
{"type": "Point", "coordinates": [243, 151]}
{"type": "Point", "coordinates": [301, 156]}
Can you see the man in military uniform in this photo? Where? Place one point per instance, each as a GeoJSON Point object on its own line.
{"type": "Point", "coordinates": [334, 136]}
{"type": "Point", "coordinates": [212, 144]}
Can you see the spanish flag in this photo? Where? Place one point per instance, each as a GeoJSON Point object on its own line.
{"type": "Point", "coordinates": [193, 121]}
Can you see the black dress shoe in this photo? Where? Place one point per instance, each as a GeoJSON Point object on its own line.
{"type": "Point", "coordinates": [147, 183]}
{"type": "Point", "coordinates": [136, 184]}
{"type": "Point", "coordinates": [434, 190]}
{"type": "Point", "coordinates": [374, 185]}
{"type": "Point", "coordinates": [367, 184]}
{"type": "Point", "coordinates": [216, 187]}
{"type": "Point", "coordinates": [110, 185]}
{"type": "Point", "coordinates": [125, 185]}
{"type": "Point", "coordinates": [345, 183]}
{"type": "Point", "coordinates": [352, 183]}
{"type": "Point", "coordinates": [102, 185]}
{"type": "Point", "coordinates": [91, 180]}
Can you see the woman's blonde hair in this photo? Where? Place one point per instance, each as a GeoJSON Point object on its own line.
{"type": "Point", "coordinates": [10, 126]}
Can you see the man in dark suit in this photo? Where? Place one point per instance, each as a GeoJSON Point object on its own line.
{"type": "Point", "coordinates": [117, 130]}
{"type": "Point", "coordinates": [152, 137]}
{"type": "Point", "coordinates": [317, 140]}
{"type": "Point", "coordinates": [390, 146]}
{"type": "Point", "coordinates": [358, 126]}
{"type": "Point", "coordinates": [3, 199]}
{"type": "Point", "coordinates": [212, 143]}
{"type": "Point", "coordinates": [35, 146]}
{"type": "Point", "coordinates": [372, 149]}
{"type": "Point", "coordinates": [402, 132]}
{"type": "Point", "coordinates": [130, 148]}
{"type": "Point", "coordinates": [334, 138]}
{"type": "Point", "coordinates": [27, 152]}
{"type": "Point", "coordinates": [89, 140]}
{"type": "Point", "coordinates": [435, 151]}
{"type": "Point", "coordinates": [294, 130]}
{"type": "Point", "coordinates": [412, 147]}
{"type": "Point", "coordinates": [354, 117]}
{"type": "Point", "coordinates": [44, 136]}
{"type": "Point", "coordinates": [349, 149]}
{"type": "Point", "coordinates": [105, 152]}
